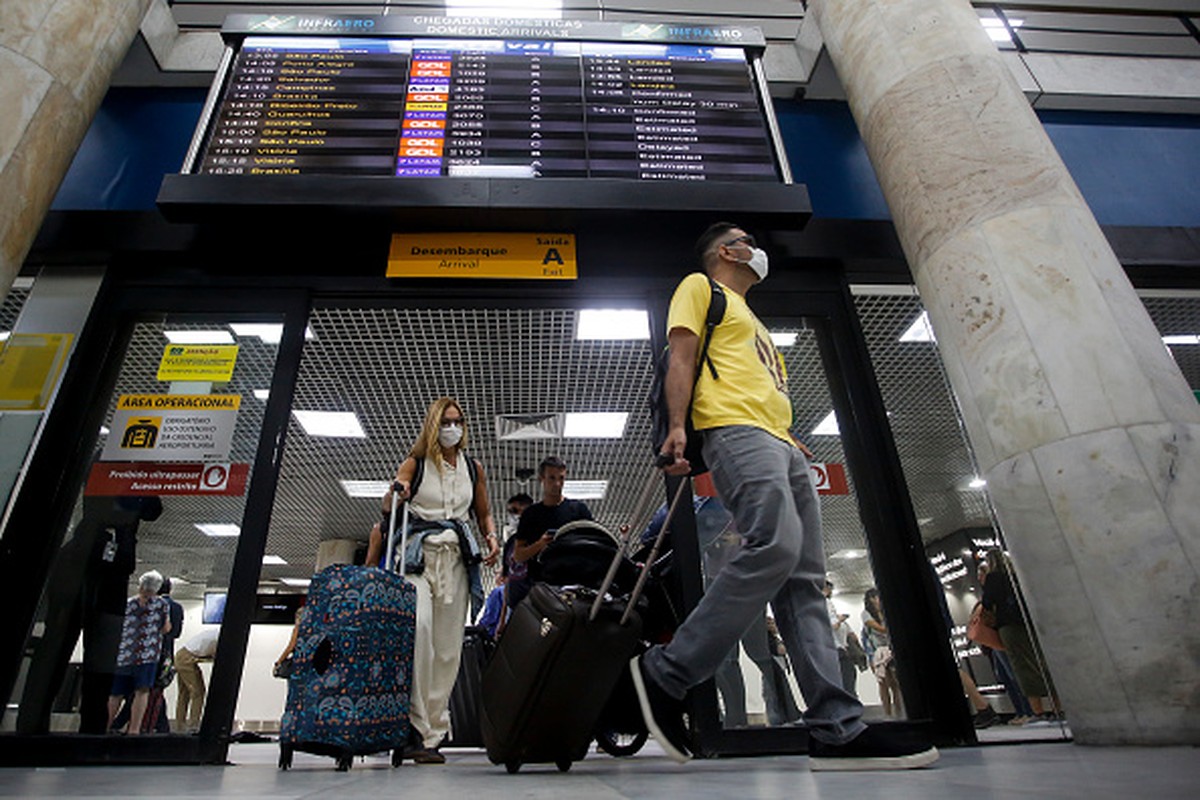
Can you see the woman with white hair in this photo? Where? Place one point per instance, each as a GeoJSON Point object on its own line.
{"type": "Point", "coordinates": [147, 618]}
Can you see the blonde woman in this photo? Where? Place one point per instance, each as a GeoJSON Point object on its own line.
{"type": "Point", "coordinates": [444, 488]}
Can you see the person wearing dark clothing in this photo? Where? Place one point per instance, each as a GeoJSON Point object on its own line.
{"type": "Point", "coordinates": [86, 593]}
{"type": "Point", "coordinates": [538, 523]}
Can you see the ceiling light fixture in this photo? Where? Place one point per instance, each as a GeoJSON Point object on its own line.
{"type": "Point", "coordinates": [535, 9]}
{"type": "Point", "coordinates": [977, 483]}
{"type": "Point", "coordinates": [262, 394]}
{"type": "Point", "coordinates": [784, 339]}
{"type": "Point", "coordinates": [920, 330]}
{"type": "Point", "coordinates": [343, 424]}
{"type": "Point", "coordinates": [218, 529]}
{"type": "Point", "coordinates": [198, 337]}
{"type": "Point", "coordinates": [828, 426]}
{"type": "Point", "coordinates": [612, 323]}
{"type": "Point", "coordinates": [273, 560]}
{"type": "Point", "coordinates": [595, 425]}
{"type": "Point", "coordinates": [373, 489]}
{"type": "Point", "coordinates": [1181, 339]}
{"type": "Point", "coordinates": [585, 490]}
{"type": "Point", "coordinates": [269, 333]}
{"type": "Point", "coordinates": [996, 29]}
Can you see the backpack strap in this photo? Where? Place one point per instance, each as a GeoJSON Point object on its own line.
{"type": "Point", "coordinates": [716, 312]}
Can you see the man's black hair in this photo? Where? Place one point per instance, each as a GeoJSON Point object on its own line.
{"type": "Point", "coordinates": [712, 233]}
{"type": "Point", "coordinates": [166, 586]}
{"type": "Point", "coordinates": [521, 498]}
{"type": "Point", "coordinates": [550, 462]}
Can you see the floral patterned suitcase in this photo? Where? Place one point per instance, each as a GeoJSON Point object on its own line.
{"type": "Point", "coordinates": [349, 690]}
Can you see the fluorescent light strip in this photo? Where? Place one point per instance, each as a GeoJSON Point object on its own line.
{"type": "Point", "coordinates": [782, 339]}
{"type": "Point", "coordinates": [612, 324]}
{"type": "Point", "coordinates": [585, 490]}
{"type": "Point", "coordinates": [373, 489]}
{"type": "Point", "coordinates": [273, 560]}
{"type": "Point", "coordinates": [1181, 339]}
{"type": "Point", "coordinates": [533, 9]}
{"type": "Point", "coordinates": [828, 426]}
{"type": "Point", "coordinates": [342, 424]}
{"type": "Point", "coordinates": [218, 529]}
{"type": "Point", "coordinates": [595, 425]}
{"type": "Point", "coordinates": [262, 394]}
{"type": "Point", "coordinates": [198, 337]}
{"type": "Point", "coordinates": [920, 330]}
{"type": "Point", "coordinates": [301, 582]}
{"type": "Point", "coordinates": [269, 333]}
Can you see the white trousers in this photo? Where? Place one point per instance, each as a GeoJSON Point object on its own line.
{"type": "Point", "coordinates": [443, 597]}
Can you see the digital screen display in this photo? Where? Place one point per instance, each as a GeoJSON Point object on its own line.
{"type": "Point", "coordinates": [428, 108]}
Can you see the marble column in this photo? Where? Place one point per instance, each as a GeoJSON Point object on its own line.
{"type": "Point", "coordinates": [1082, 424]}
{"type": "Point", "coordinates": [56, 58]}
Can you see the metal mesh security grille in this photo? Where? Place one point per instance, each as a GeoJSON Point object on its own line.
{"type": "Point", "coordinates": [386, 365]}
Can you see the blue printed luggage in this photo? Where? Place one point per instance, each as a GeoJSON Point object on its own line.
{"type": "Point", "coordinates": [349, 690]}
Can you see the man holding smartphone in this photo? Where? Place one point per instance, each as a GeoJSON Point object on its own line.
{"type": "Point", "coordinates": [741, 409]}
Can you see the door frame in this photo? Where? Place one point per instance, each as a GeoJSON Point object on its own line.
{"type": "Point", "coordinates": [60, 466]}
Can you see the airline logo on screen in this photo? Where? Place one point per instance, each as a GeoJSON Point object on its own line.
{"type": "Point", "coordinates": [529, 256]}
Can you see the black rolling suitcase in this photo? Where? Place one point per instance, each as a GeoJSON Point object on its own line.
{"type": "Point", "coordinates": [556, 665]}
{"type": "Point", "coordinates": [466, 699]}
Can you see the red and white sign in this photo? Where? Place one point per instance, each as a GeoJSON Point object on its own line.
{"type": "Point", "coordinates": [126, 478]}
{"type": "Point", "coordinates": [828, 478]}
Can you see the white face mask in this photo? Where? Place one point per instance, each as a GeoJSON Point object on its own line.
{"type": "Point", "coordinates": [758, 263]}
{"type": "Point", "coordinates": [450, 435]}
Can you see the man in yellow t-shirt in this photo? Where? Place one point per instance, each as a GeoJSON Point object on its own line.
{"type": "Point", "coordinates": [742, 412]}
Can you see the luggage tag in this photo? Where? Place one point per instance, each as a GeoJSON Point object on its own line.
{"type": "Point", "coordinates": [110, 547]}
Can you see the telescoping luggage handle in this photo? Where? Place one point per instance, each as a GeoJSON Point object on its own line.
{"type": "Point", "coordinates": [389, 555]}
{"type": "Point", "coordinates": [650, 559]}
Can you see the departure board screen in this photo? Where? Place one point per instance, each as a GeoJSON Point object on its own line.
{"type": "Point", "coordinates": [429, 108]}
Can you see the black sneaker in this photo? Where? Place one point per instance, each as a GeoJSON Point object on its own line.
{"type": "Point", "coordinates": [985, 718]}
{"type": "Point", "coordinates": [873, 749]}
{"type": "Point", "coordinates": [663, 714]}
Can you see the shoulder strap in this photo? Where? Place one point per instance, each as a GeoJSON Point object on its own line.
{"type": "Point", "coordinates": [418, 473]}
{"type": "Point", "coordinates": [716, 312]}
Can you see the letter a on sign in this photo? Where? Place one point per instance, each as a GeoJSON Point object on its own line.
{"type": "Point", "coordinates": [552, 254]}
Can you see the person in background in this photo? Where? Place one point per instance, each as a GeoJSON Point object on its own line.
{"type": "Point", "coordinates": [147, 619]}
{"type": "Point", "coordinates": [442, 561]}
{"type": "Point", "coordinates": [841, 639]}
{"type": "Point", "coordinates": [189, 706]}
{"type": "Point", "coordinates": [538, 523]}
{"type": "Point", "coordinates": [511, 571]}
{"type": "Point", "coordinates": [1000, 599]}
{"type": "Point", "coordinates": [493, 609]}
{"type": "Point", "coordinates": [880, 650]}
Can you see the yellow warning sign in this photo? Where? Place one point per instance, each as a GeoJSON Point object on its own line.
{"type": "Point", "coordinates": [178, 402]}
{"type": "Point", "coordinates": [530, 256]}
{"type": "Point", "coordinates": [198, 362]}
{"type": "Point", "coordinates": [30, 364]}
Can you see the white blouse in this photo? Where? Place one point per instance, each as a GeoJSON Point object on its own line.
{"type": "Point", "coordinates": [445, 493]}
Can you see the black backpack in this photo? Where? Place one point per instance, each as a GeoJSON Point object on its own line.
{"type": "Point", "coordinates": [659, 414]}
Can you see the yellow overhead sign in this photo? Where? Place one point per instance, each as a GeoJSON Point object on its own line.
{"type": "Point", "coordinates": [198, 362]}
{"type": "Point", "coordinates": [532, 256]}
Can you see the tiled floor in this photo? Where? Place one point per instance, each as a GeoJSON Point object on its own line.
{"type": "Point", "coordinates": [1008, 771]}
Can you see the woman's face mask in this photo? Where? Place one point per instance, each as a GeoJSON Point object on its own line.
{"type": "Point", "coordinates": [450, 435]}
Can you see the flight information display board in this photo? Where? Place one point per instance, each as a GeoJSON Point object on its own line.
{"type": "Point", "coordinates": [425, 108]}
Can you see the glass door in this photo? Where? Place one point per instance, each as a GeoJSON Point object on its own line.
{"type": "Point", "coordinates": [140, 622]}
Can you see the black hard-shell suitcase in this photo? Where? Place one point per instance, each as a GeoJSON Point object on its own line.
{"type": "Point", "coordinates": [551, 675]}
{"type": "Point", "coordinates": [561, 655]}
{"type": "Point", "coordinates": [466, 699]}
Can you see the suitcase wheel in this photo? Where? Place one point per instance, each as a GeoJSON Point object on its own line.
{"type": "Point", "coordinates": [344, 763]}
{"type": "Point", "coordinates": [564, 765]}
{"type": "Point", "coordinates": [285, 757]}
{"type": "Point", "coordinates": [512, 766]}
{"type": "Point", "coordinates": [620, 745]}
